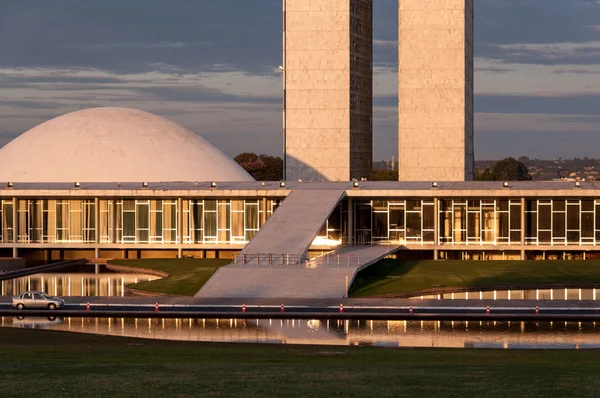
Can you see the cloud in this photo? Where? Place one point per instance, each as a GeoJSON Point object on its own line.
{"type": "Point", "coordinates": [579, 71]}
{"type": "Point", "coordinates": [124, 38]}
{"type": "Point", "coordinates": [523, 104]}
{"type": "Point", "coordinates": [493, 69]}
{"type": "Point", "coordinates": [386, 44]}
{"type": "Point", "coordinates": [587, 53]}
{"type": "Point", "coordinates": [202, 94]}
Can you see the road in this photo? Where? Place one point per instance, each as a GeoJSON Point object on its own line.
{"type": "Point", "coordinates": [371, 309]}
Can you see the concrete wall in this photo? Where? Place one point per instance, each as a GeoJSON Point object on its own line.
{"type": "Point", "coordinates": [435, 87]}
{"type": "Point", "coordinates": [317, 71]}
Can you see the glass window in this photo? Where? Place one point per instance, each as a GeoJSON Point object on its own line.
{"type": "Point", "coordinates": [380, 225]}
{"type": "Point", "coordinates": [251, 216]}
{"type": "Point", "coordinates": [413, 225]}
{"type": "Point", "coordinates": [587, 225]}
{"type": "Point", "coordinates": [473, 230]}
{"type": "Point", "coordinates": [545, 217]}
{"type": "Point", "coordinates": [558, 225]}
{"type": "Point", "coordinates": [531, 224]}
{"type": "Point", "coordinates": [210, 225]}
{"type": "Point", "coordinates": [129, 225]}
{"type": "Point", "coordinates": [428, 217]}
{"type": "Point", "coordinates": [558, 205]}
{"type": "Point", "coordinates": [573, 217]}
{"type": "Point", "coordinates": [503, 225]}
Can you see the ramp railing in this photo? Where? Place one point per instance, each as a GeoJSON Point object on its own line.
{"type": "Point", "coordinates": [290, 259]}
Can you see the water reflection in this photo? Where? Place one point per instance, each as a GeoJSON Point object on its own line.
{"type": "Point", "coordinates": [74, 284]}
{"type": "Point", "coordinates": [530, 294]}
{"type": "Point", "coordinates": [508, 335]}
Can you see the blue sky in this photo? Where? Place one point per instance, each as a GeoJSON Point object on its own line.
{"type": "Point", "coordinates": [213, 67]}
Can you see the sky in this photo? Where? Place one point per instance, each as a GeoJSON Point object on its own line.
{"type": "Point", "coordinates": [213, 67]}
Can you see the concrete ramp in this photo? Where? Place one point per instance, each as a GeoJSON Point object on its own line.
{"type": "Point", "coordinates": [254, 282]}
{"type": "Point", "coordinates": [294, 225]}
{"type": "Point", "coordinates": [326, 276]}
{"type": "Point", "coordinates": [359, 256]}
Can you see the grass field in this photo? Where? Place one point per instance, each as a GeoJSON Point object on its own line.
{"type": "Point", "coordinates": [186, 275]}
{"type": "Point", "coordinates": [63, 364]}
{"type": "Point", "coordinates": [394, 276]}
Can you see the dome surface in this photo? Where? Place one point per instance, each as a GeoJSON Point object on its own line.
{"type": "Point", "coordinates": [114, 145]}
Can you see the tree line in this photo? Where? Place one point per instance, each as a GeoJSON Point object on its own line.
{"type": "Point", "coordinates": [270, 168]}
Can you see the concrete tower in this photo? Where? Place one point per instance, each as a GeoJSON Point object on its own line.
{"type": "Point", "coordinates": [328, 104]}
{"type": "Point", "coordinates": [435, 90]}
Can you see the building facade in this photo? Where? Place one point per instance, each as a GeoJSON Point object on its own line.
{"type": "Point", "coordinates": [327, 67]}
{"type": "Point", "coordinates": [463, 221]}
{"type": "Point", "coordinates": [435, 90]}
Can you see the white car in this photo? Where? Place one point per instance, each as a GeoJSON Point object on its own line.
{"type": "Point", "coordinates": [39, 300]}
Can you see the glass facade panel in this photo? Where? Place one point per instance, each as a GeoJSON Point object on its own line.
{"type": "Point", "coordinates": [461, 221]}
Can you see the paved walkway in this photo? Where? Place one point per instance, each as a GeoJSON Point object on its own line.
{"type": "Point", "coordinates": [327, 276]}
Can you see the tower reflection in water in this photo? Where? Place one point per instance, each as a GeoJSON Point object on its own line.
{"type": "Point", "coordinates": [439, 334]}
{"type": "Point", "coordinates": [74, 284]}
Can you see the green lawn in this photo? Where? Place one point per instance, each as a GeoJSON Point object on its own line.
{"type": "Point", "coordinates": [186, 275]}
{"type": "Point", "coordinates": [62, 364]}
{"type": "Point", "coordinates": [395, 276]}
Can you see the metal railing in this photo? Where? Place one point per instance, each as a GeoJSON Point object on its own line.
{"type": "Point", "coordinates": [269, 259]}
{"type": "Point", "coordinates": [290, 259]}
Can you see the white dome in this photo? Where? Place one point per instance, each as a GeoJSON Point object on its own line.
{"type": "Point", "coordinates": [114, 145]}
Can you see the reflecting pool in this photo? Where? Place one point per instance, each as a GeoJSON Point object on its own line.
{"type": "Point", "coordinates": [74, 284]}
{"type": "Point", "coordinates": [529, 294]}
{"type": "Point", "coordinates": [440, 334]}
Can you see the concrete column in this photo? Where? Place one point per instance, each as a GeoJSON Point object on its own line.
{"type": "Point", "coordinates": [436, 228]}
{"type": "Point", "coordinates": [350, 231]}
{"type": "Point", "coordinates": [111, 223]}
{"type": "Point", "coordinates": [97, 230]}
{"type": "Point", "coordinates": [15, 227]}
{"type": "Point", "coordinates": [523, 256]}
{"type": "Point", "coordinates": [179, 227]}
{"type": "Point", "coordinates": [263, 217]}
{"type": "Point", "coordinates": [15, 220]}
{"type": "Point", "coordinates": [97, 218]}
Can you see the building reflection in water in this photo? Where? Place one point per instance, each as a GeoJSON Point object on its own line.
{"type": "Point", "coordinates": [439, 334]}
{"type": "Point", "coordinates": [74, 284]}
{"type": "Point", "coordinates": [530, 294]}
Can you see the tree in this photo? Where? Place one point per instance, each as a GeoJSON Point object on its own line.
{"type": "Point", "coordinates": [384, 175]}
{"type": "Point", "coordinates": [261, 167]}
{"type": "Point", "coordinates": [508, 169]}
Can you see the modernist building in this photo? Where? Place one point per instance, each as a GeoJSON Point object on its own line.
{"type": "Point", "coordinates": [85, 185]}
{"type": "Point", "coordinates": [328, 89]}
{"type": "Point", "coordinates": [435, 90]}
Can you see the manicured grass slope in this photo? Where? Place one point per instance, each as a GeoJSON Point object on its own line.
{"type": "Point", "coordinates": [64, 364]}
{"type": "Point", "coordinates": [186, 275]}
{"type": "Point", "coordinates": [394, 276]}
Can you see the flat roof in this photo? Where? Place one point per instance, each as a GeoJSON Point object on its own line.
{"type": "Point", "coordinates": [273, 188]}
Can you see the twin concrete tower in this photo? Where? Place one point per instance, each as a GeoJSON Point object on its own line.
{"type": "Point", "coordinates": [328, 89]}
